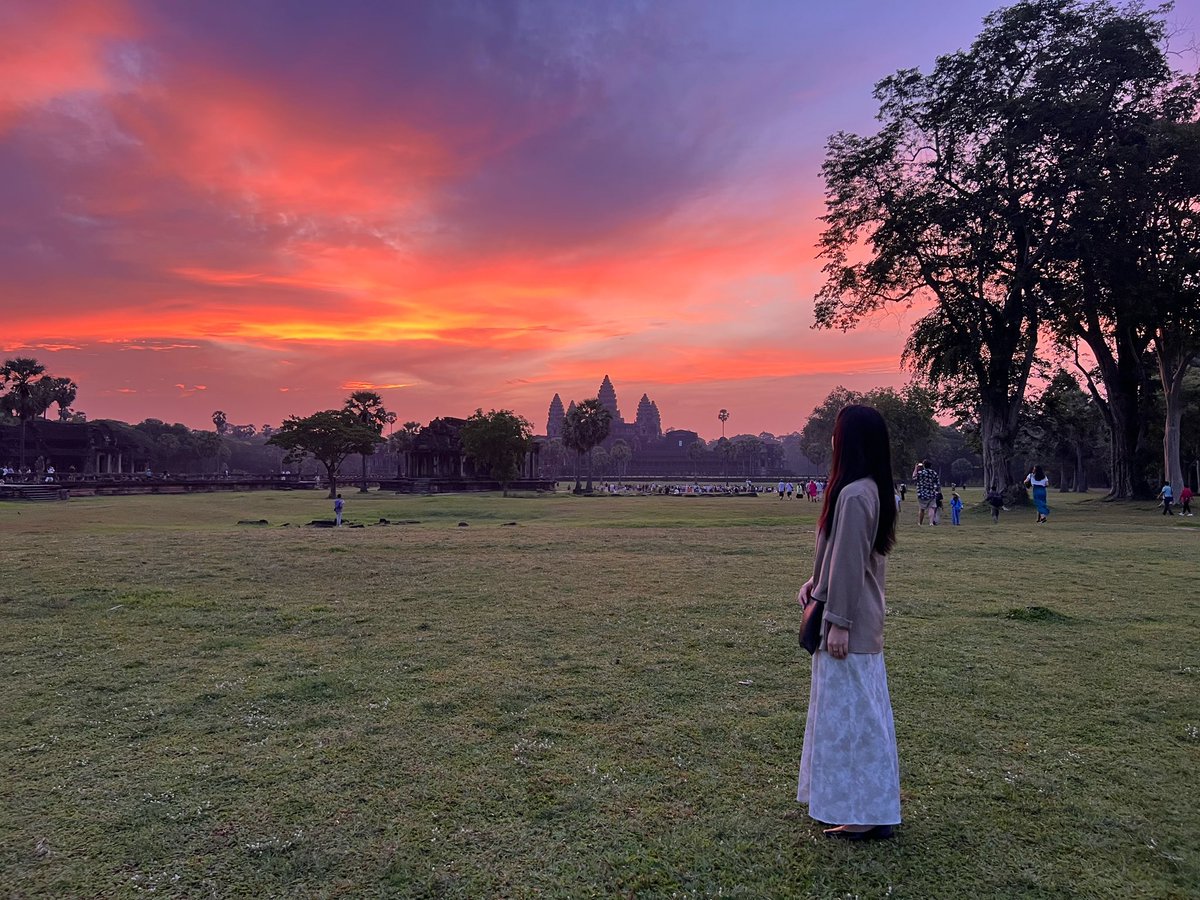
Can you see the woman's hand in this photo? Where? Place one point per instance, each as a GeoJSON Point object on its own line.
{"type": "Point", "coordinates": [837, 642]}
{"type": "Point", "coordinates": [805, 595]}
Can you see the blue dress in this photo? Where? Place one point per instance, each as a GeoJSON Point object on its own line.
{"type": "Point", "coordinates": [1039, 496]}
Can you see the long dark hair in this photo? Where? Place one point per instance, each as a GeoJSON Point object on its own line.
{"type": "Point", "coordinates": [1039, 473]}
{"type": "Point", "coordinates": [861, 449]}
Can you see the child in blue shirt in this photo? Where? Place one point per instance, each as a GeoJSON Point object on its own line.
{"type": "Point", "coordinates": [956, 506]}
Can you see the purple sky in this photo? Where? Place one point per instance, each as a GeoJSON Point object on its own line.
{"type": "Point", "coordinates": [257, 207]}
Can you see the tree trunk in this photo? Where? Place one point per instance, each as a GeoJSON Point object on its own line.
{"type": "Point", "coordinates": [1081, 479]}
{"type": "Point", "coordinates": [363, 488]}
{"type": "Point", "coordinates": [1171, 369]}
{"type": "Point", "coordinates": [589, 471]}
{"type": "Point", "coordinates": [996, 434]}
{"type": "Point", "coordinates": [331, 470]}
{"type": "Point", "coordinates": [1129, 450]}
{"type": "Point", "coordinates": [1126, 390]}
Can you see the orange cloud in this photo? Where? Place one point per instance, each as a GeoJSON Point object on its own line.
{"type": "Point", "coordinates": [371, 386]}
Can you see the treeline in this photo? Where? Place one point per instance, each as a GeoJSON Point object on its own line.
{"type": "Point", "coordinates": [1039, 195]}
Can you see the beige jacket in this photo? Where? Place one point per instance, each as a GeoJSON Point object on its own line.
{"type": "Point", "coordinates": [847, 573]}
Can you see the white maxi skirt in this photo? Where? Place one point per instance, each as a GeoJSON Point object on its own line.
{"type": "Point", "coordinates": [849, 770]}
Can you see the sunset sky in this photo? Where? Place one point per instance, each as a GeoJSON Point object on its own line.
{"type": "Point", "coordinates": [259, 206]}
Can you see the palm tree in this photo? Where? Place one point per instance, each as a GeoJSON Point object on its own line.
{"type": "Point", "coordinates": [220, 421]}
{"type": "Point", "coordinates": [585, 427]}
{"type": "Point", "coordinates": [367, 407]}
{"type": "Point", "coordinates": [20, 373]}
{"type": "Point", "coordinates": [402, 442]}
{"type": "Point", "coordinates": [723, 415]}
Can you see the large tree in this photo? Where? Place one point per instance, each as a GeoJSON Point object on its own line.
{"type": "Point", "coordinates": [1124, 289]}
{"type": "Point", "coordinates": [1169, 258]}
{"type": "Point", "coordinates": [30, 392]}
{"type": "Point", "coordinates": [585, 426]}
{"type": "Point", "coordinates": [963, 195]}
{"type": "Point", "coordinates": [328, 436]}
{"type": "Point", "coordinates": [367, 407]}
{"type": "Point", "coordinates": [498, 442]}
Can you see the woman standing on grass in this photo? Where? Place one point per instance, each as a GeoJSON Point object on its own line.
{"type": "Point", "coordinates": [1038, 482]}
{"type": "Point", "coordinates": [849, 770]}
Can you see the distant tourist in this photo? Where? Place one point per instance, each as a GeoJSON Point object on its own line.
{"type": "Point", "coordinates": [1166, 495]}
{"type": "Point", "coordinates": [928, 484]}
{"type": "Point", "coordinates": [903, 491]}
{"type": "Point", "coordinates": [849, 769]}
{"type": "Point", "coordinates": [790, 488]}
{"type": "Point", "coordinates": [995, 500]}
{"type": "Point", "coordinates": [781, 488]}
{"type": "Point", "coordinates": [1037, 481]}
{"type": "Point", "coordinates": [1185, 501]}
{"type": "Point", "coordinates": [338, 505]}
{"type": "Point", "coordinates": [939, 501]}
{"type": "Point", "coordinates": [956, 506]}
{"type": "Point", "coordinates": [812, 490]}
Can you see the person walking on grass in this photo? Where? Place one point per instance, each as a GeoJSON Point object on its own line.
{"type": "Point", "coordinates": [956, 506]}
{"type": "Point", "coordinates": [1166, 495]}
{"type": "Point", "coordinates": [1185, 501]}
{"type": "Point", "coordinates": [338, 505]}
{"type": "Point", "coordinates": [995, 500]}
{"type": "Point", "coordinates": [849, 767]}
{"type": "Point", "coordinates": [928, 483]}
{"type": "Point", "coordinates": [1038, 482]}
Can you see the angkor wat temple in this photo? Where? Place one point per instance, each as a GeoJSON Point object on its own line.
{"type": "Point", "coordinates": [654, 453]}
{"type": "Point", "coordinates": [643, 430]}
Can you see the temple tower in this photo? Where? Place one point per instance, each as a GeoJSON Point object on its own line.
{"type": "Point", "coordinates": [608, 399]}
{"type": "Point", "coordinates": [649, 423]}
{"type": "Point", "coordinates": [554, 419]}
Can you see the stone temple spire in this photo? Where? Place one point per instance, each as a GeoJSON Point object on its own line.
{"type": "Point", "coordinates": [554, 418]}
{"type": "Point", "coordinates": [649, 423]}
{"type": "Point", "coordinates": [608, 399]}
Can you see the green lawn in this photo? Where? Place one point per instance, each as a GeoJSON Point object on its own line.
{"type": "Point", "coordinates": [605, 699]}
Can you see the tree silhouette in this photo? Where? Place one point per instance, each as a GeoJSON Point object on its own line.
{"type": "Point", "coordinates": [220, 421]}
{"type": "Point", "coordinates": [585, 426]}
{"type": "Point", "coordinates": [63, 393]}
{"type": "Point", "coordinates": [498, 441]}
{"type": "Point", "coordinates": [723, 415]}
{"type": "Point", "coordinates": [621, 454]}
{"type": "Point", "coordinates": [328, 436]}
{"type": "Point", "coordinates": [30, 392]}
{"type": "Point", "coordinates": [367, 407]}
{"type": "Point", "coordinates": [964, 195]}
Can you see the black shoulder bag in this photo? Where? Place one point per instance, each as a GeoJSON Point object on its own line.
{"type": "Point", "coordinates": [811, 620]}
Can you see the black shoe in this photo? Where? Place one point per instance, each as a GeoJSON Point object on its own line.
{"type": "Point", "coordinates": [878, 833]}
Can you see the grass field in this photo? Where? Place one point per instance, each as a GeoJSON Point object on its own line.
{"type": "Point", "coordinates": [604, 699]}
